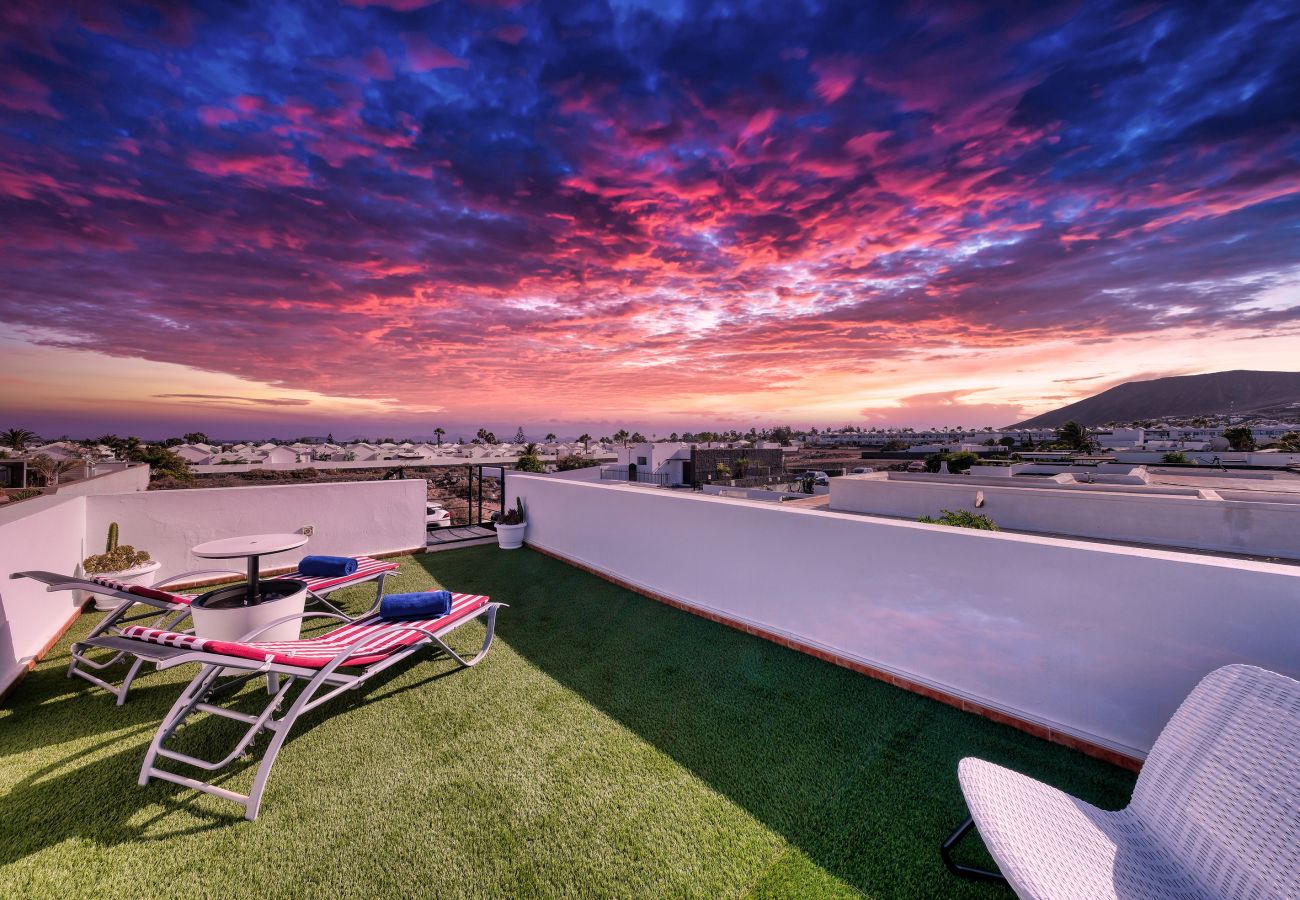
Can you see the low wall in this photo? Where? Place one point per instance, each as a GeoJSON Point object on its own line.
{"type": "Point", "coordinates": [1212, 457]}
{"type": "Point", "coordinates": [718, 490]}
{"type": "Point", "coordinates": [41, 533]}
{"type": "Point", "coordinates": [1091, 641]}
{"type": "Point", "coordinates": [57, 531]}
{"type": "Point", "coordinates": [349, 518]}
{"type": "Point", "coordinates": [1174, 517]}
{"type": "Point", "coordinates": [125, 478]}
{"type": "Point", "coordinates": [331, 465]}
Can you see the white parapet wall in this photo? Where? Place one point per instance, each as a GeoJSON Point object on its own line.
{"type": "Point", "coordinates": [347, 519]}
{"type": "Point", "coordinates": [1096, 641]}
{"type": "Point", "coordinates": [46, 533]}
{"type": "Point", "coordinates": [1265, 525]}
{"type": "Point", "coordinates": [56, 532]}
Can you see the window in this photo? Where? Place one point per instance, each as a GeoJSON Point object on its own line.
{"type": "Point", "coordinates": [640, 461]}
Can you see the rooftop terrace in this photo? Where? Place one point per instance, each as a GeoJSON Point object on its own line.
{"type": "Point", "coordinates": [608, 746]}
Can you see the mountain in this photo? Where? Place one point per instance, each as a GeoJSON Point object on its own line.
{"type": "Point", "coordinates": [1183, 395]}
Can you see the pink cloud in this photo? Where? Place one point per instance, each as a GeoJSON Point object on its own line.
{"type": "Point", "coordinates": [216, 116]}
{"type": "Point", "coordinates": [376, 64]}
{"type": "Point", "coordinates": [509, 34]}
{"type": "Point", "coordinates": [834, 78]}
{"type": "Point", "coordinates": [758, 123]}
{"type": "Point", "coordinates": [422, 55]}
{"type": "Point", "coordinates": [266, 169]}
{"type": "Point", "coordinates": [21, 92]}
{"type": "Point", "coordinates": [396, 5]}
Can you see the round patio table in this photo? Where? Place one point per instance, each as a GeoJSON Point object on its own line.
{"type": "Point", "coordinates": [253, 547]}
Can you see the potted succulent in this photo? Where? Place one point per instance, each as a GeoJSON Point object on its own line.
{"type": "Point", "coordinates": [121, 562]}
{"type": "Point", "coordinates": [511, 525]}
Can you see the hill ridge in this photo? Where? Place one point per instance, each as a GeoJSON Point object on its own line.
{"type": "Point", "coordinates": [1245, 391]}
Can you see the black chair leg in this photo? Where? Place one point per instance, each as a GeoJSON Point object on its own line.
{"type": "Point", "coordinates": [958, 869]}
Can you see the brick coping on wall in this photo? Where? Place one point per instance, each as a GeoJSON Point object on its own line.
{"type": "Point", "coordinates": [1002, 717]}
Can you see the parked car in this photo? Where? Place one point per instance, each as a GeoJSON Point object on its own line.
{"type": "Point", "coordinates": [820, 478]}
{"type": "Point", "coordinates": [436, 516]}
{"type": "Point", "coordinates": [862, 470]}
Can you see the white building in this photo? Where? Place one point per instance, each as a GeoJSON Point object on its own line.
{"type": "Point", "coordinates": [663, 463]}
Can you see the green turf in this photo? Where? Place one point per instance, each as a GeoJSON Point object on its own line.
{"type": "Point", "coordinates": [608, 746]}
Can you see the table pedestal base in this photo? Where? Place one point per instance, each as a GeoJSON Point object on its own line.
{"type": "Point", "coordinates": [218, 615]}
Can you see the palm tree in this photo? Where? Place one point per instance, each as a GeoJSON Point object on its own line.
{"type": "Point", "coordinates": [1074, 436]}
{"type": "Point", "coordinates": [529, 461]}
{"type": "Point", "coordinates": [52, 469]}
{"type": "Point", "coordinates": [586, 441]}
{"type": "Point", "coordinates": [17, 439]}
{"type": "Point", "coordinates": [550, 437]}
{"type": "Point", "coordinates": [438, 433]}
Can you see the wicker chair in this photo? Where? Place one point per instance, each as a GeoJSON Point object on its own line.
{"type": "Point", "coordinates": [1215, 813]}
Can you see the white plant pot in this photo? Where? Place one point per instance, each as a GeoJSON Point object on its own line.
{"type": "Point", "coordinates": [511, 537]}
{"type": "Point", "coordinates": [144, 576]}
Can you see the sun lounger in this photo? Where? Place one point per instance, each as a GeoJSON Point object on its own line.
{"type": "Point", "coordinates": [168, 610]}
{"type": "Point", "coordinates": [1215, 812]}
{"type": "Point", "coordinates": [326, 666]}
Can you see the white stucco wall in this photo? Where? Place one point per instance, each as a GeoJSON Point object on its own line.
{"type": "Point", "coordinates": [43, 533]}
{"type": "Point", "coordinates": [1175, 517]}
{"type": "Point", "coordinates": [351, 518]}
{"type": "Point", "coordinates": [57, 531]}
{"type": "Point", "coordinates": [127, 478]}
{"type": "Point", "coordinates": [1099, 641]}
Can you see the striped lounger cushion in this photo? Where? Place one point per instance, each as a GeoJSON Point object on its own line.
{"type": "Point", "coordinates": [141, 591]}
{"type": "Point", "coordinates": [366, 568]}
{"type": "Point", "coordinates": [317, 652]}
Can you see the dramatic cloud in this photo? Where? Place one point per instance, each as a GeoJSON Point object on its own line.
{"type": "Point", "coordinates": [586, 209]}
{"type": "Point", "coordinates": [224, 399]}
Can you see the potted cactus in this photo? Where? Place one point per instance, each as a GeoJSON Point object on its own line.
{"type": "Point", "coordinates": [511, 526]}
{"type": "Point", "coordinates": [120, 562]}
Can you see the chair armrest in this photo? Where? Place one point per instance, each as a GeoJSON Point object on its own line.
{"type": "Point", "coordinates": [201, 573]}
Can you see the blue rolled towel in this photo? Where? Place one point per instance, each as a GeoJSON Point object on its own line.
{"type": "Point", "coordinates": [427, 605]}
{"type": "Point", "coordinates": [327, 566]}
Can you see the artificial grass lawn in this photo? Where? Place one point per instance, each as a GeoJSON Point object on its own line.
{"type": "Point", "coordinates": [608, 746]}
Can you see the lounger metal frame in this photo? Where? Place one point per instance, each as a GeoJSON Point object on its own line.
{"type": "Point", "coordinates": [166, 616]}
{"type": "Point", "coordinates": [321, 686]}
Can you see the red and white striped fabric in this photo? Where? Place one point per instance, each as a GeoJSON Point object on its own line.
{"type": "Point", "coordinates": [315, 653]}
{"type": "Point", "coordinates": [366, 568]}
{"type": "Point", "coordinates": [141, 591]}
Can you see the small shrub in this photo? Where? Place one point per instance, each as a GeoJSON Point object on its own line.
{"type": "Point", "coordinates": [513, 516]}
{"type": "Point", "coordinates": [1175, 458]}
{"type": "Point", "coordinates": [530, 463]}
{"type": "Point", "coordinates": [957, 462]}
{"type": "Point", "coordinates": [121, 557]}
{"type": "Point", "coordinates": [568, 463]}
{"type": "Point", "coordinates": [961, 519]}
{"type": "Point", "coordinates": [24, 494]}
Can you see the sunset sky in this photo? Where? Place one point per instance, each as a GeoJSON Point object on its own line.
{"type": "Point", "coordinates": [378, 217]}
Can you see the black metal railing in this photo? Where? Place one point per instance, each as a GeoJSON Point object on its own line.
{"type": "Point", "coordinates": [657, 478]}
{"type": "Point", "coordinates": [475, 505]}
